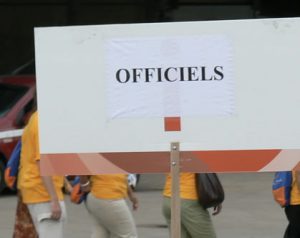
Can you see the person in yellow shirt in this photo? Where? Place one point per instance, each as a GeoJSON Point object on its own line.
{"type": "Point", "coordinates": [293, 210]}
{"type": "Point", "coordinates": [195, 220]}
{"type": "Point", "coordinates": [107, 196]}
{"type": "Point", "coordinates": [42, 194]}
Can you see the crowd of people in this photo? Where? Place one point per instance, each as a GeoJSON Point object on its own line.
{"type": "Point", "coordinates": [41, 210]}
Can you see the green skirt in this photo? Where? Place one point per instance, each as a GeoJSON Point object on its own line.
{"type": "Point", "coordinates": [195, 220]}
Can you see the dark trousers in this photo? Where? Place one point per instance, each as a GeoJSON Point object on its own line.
{"type": "Point", "coordinates": [292, 213]}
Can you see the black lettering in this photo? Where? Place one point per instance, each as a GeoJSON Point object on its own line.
{"type": "Point", "coordinates": [170, 74]}
{"type": "Point", "coordinates": [218, 70]}
{"type": "Point", "coordinates": [192, 74]}
{"type": "Point", "coordinates": [203, 70]}
{"type": "Point", "coordinates": [127, 75]}
{"type": "Point", "coordinates": [167, 74]}
{"type": "Point", "coordinates": [148, 74]}
{"type": "Point", "coordinates": [136, 75]}
{"type": "Point", "coordinates": [159, 75]}
{"type": "Point", "coordinates": [181, 73]}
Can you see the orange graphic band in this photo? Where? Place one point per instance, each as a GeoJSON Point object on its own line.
{"type": "Point", "coordinates": [159, 162]}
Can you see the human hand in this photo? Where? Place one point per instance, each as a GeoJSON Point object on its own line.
{"type": "Point", "coordinates": [86, 187]}
{"type": "Point", "coordinates": [55, 210]}
{"type": "Point", "coordinates": [217, 209]}
{"type": "Point", "coordinates": [67, 187]}
{"type": "Point", "coordinates": [134, 201]}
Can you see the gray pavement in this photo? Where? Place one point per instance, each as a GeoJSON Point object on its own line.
{"type": "Point", "coordinates": [248, 211]}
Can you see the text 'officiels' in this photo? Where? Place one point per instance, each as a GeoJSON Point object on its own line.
{"type": "Point", "coordinates": [170, 74]}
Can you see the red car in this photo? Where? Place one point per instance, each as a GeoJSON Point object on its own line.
{"type": "Point", "coordinates": [16, 104]}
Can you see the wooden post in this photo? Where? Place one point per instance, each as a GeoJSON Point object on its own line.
{"type": "Point", "coordinates": [175, 199]}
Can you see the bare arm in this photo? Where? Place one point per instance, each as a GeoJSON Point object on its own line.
{"type": "Point", "coordinates": [67, 186]}
{"type": "Point", "coordinates": [132, 198]}
{"type": "Point", "coordinates": [85, 184]}
{"type": "Point", "coordinates": [55, 206]}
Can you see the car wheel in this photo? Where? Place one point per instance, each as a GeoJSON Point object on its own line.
{"type": "Point", "coordinates": [2, 181]}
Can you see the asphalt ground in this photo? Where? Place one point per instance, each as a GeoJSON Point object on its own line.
{"type": "Point", "coordinates": [249, 210]}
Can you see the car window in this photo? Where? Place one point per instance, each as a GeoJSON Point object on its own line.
{"type": "Point", "coordinates": [9, 96]}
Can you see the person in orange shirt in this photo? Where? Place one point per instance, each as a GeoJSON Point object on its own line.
{"type": "Point", "coordinates": [195, 220]}
{"type": "Point", "coordinates": [293, 210]}
{"type": "Point", "coordinates": [107, 194]}
{"type": "Point", "coordinates": [42, 194]}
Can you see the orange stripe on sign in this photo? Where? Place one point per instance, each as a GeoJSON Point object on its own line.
{"type": "Point", "coordinates": [105, 163]}
{"type": "Point", "coordinates": [235, 160]}
{"type": "Point", "coordinates": [285, 160]}
{"type": "Point", "coordinates": [97, 163]}
{"type": "Point", "coordinates": [172, 124]}
{"type": "Point", "coordinates": [78, 164]}
{"type": "Point", "coordinates": [159, 162]}
{"type": "Point", "coordinates": [63, 164]}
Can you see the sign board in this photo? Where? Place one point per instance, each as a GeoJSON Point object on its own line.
{"type": "Point", "coordinates": [112, 98]}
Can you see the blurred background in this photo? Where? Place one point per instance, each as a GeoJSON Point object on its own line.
{"type": "Point", "coordinates": [19, 17]}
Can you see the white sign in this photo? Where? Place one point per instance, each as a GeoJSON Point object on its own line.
{"type": "Point", "coordinates": [250, 103]}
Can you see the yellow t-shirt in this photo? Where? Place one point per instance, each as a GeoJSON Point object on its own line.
{"type": "Point", "coordinates": [295, 192]}
{"type": "Point", "coordinates": [29, 179]}
{"type": "Point", "coordinates": [187, 186]}
{"type": "Point", "coordinates": [109, 186]}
